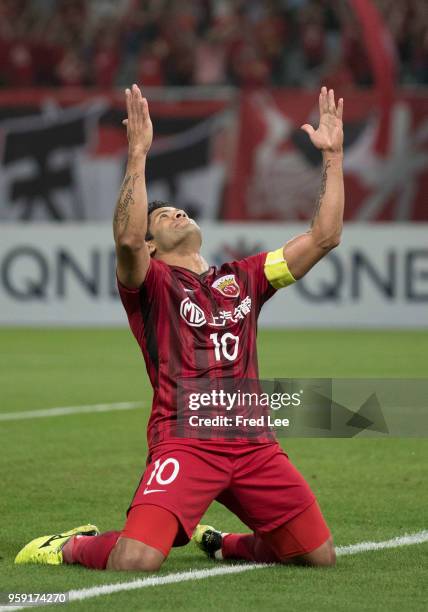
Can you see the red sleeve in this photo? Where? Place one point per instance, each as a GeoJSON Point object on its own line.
{"type": "Point", "coordinates": [253, 266]}
{"type": "Point", "coordinates": [138, 302]}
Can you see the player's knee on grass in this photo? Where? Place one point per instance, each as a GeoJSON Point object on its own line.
{"type": "Point", "coordinates": [133, 555]}
{"type": "Point", "coordinates": [146, 539]}
{"type": "Point", "coordinates": [304, 540]}
{"type": "Point", "coordinates": [323, 556]}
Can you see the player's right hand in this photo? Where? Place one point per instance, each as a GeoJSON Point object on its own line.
{"type": "Point", "coordinates": [138, 124]}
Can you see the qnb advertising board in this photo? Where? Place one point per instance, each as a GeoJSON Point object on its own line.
{"type": "Point", "coordinates": [65, 275]}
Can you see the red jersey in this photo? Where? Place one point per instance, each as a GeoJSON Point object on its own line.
{"type": "Point", "coordinates": [203, 326]}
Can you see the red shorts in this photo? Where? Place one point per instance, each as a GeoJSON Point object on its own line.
{"type": "Point", "coordinates": [303, 534]}
{"type": "Point", "coordinates": [256, 482]}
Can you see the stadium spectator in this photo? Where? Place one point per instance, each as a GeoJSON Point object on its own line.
{"type": "Point", "coordinates": [105, 52]}
{"type": "Point", "coordinates": [104, 43]}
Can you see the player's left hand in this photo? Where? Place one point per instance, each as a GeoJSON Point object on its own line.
{"type": "Point", "coordinates": [329, 135]}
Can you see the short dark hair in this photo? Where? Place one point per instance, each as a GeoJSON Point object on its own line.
{"type": "Point", "coordinates": [151, 208]}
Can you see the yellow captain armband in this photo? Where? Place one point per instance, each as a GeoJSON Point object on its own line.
{"type": "Point", "coordinates": [276, 270]}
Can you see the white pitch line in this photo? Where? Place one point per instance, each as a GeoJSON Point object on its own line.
{"type": "Point", "coordinates": [141, 583]}
{"type": "Point", "coordinates": [53, 412]}
{"type": "Point", "coordinates": [407, 540]}
{"type": "Point", "coordinates": [107, 589]}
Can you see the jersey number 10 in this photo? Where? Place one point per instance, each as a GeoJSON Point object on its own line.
{"type": "Point", "coordinates": [228, 345]}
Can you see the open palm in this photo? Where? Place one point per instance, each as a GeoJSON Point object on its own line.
{"type": "Point", "coordinates": [329, 135]}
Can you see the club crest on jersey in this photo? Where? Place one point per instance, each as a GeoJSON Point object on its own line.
{"type": "Point", "coordinates": [227, 286]}
{"type": "Point", "coordinates": [192, 313]}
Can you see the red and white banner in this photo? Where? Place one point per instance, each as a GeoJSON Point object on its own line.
{"type": "Point", "coordinates": [239, 157]}
{"type": "Point", "coordinates": [63, 154]}
{"type": "Point", "coordinates": [277, 170]}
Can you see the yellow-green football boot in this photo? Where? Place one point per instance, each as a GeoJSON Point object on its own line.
{"type": "Point", "coordinates": [47, 550]}
{"type": "Point", "coordinates": [209, 539]}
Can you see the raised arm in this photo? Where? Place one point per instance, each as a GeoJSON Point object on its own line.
{"type": "Point", "coordinates": [304, 251]}
{"type": "Point", "coordinates": [130, 216]}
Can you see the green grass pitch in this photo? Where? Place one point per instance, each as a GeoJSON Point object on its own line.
{"type": "Point", "coordinates": [60, 472]}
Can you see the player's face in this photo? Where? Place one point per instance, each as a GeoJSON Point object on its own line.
{"type": "Point", "coordinates": [171, 226]}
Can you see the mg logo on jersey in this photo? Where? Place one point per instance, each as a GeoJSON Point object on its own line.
{"type": "Point", "coordinates": [191, 313]}
{"type": "Point", "coordinates": [227, 286]}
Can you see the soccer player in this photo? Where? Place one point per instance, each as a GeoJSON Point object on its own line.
{"type": "Point", "coordinates": [193, 321]}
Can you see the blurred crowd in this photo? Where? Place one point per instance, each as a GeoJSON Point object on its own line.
{"type": "Point", "coordinates": [245, 43]}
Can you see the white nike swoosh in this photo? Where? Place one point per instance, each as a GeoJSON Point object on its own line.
{"type": "Point", "coordinates": [146, 492]}
{"type": "Point", "coordinates": [189, 290]}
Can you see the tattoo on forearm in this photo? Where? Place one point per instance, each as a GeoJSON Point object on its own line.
{"type": "Point", "coordinates": [125, 200]}
{"type": "Point", "coordinates": [322, 191]}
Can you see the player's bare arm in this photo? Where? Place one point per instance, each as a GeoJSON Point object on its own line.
{"type": "Point", "coordinates": [130, 216]}
{"type": "Point", "coordinates": [304, 251]}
